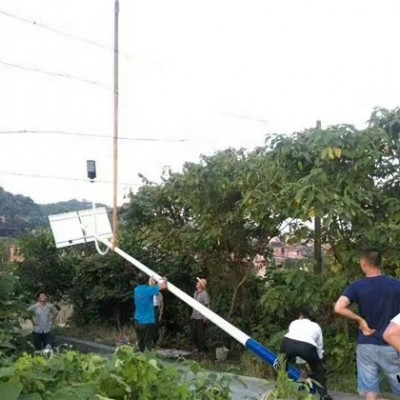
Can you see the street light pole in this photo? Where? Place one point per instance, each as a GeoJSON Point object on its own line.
{"type": "Point", "coordinates": [116, 103]}
{"type": "Point", "coordinates": [317, 233]}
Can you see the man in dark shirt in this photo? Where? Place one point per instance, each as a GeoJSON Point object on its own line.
{"type": "Point", "coordinates": [378, 300]}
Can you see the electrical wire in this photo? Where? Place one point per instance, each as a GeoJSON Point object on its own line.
{"type": "Point", "coordinates": [94, 135]}
{"type": "Point", "coordinates": [65, 34]}
{"type": "Point", "coordinates": [58, 177]}
{"type": "Point", "coordinates": [57, 74]}
{"type": "Point", "coordinates": [44, 26]}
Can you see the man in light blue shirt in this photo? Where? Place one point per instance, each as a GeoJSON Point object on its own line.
{"type": "Point", "coordinates": [144, 311]}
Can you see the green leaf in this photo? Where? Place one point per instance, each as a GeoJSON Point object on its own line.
{"type": "Point", "coordinates": [10, 390]}
{"type": "Point", "coordinates": [6, 371]}
{"type": "Point", "coordinates": [32, 396]}
{"type": "Point", "coordinates": [195, 368]}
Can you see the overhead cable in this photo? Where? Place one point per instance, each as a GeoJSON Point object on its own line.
{"type": "Point", "coordinates": [44, 26]}
{"type": "Point", "coordinates": [58, 177]}
{"type": "Point", "coordinates": [89, 135]}
{"type": "Point", "coordinates": [57, 74]}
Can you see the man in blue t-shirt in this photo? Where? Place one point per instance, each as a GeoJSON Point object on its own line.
{"type": "Point", "coordinates": [144, 311]}
{"type": "Point", "coordinates": [378, 300]}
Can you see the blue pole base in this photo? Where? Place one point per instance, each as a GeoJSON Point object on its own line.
{"type": "Point", "coordinates": [270, 357]}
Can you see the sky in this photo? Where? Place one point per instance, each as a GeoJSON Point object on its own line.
{"type": "Point", "coordinates": [195, 77]}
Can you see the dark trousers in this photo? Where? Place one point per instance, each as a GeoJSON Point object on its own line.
{"type": "Point", "coordinates": [198, 328]}
{"type": "Point", "coordinates": [41, 340]}
{"type": "Point", "coordinates": [294, 348]}
{"type": "Point", "coordinates": [155, 329]}
{"type": "Point", "coordinates": [145, 335]}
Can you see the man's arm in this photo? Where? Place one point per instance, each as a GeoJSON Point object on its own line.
{"type": "Point", "coordinates": [160, 306]}
{"type": "Point", "coordinates": [54, 312]}
{"type": "Point", "coordinates": [392, 333]}
{"type": "Point", "coordinates": [342, 308]}
{"type": "Point", "coordinates": [320, 344]}
{"type": "Point", "coordinates": [206, 304]}
{"type": "Point", "coordinates": [31, 313]}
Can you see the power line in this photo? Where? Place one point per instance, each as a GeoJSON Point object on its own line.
{"type": "Point", "coordinates": [57, 74]}
{"type": "Point", "coordinates": [58, 177]}
{"type": "Point", "coordinates": [248, 117]}
{"type": "Point", "coordinates": [89, 135]}
{"type": "Point", "coordinates": [44, 26]}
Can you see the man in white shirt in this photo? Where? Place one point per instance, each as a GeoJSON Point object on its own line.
{"type": "Point", "coordinates": [304, 340]}
{"type": "Point", "coordinates": [392, 333]}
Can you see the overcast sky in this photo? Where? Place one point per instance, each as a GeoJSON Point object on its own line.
{"type": "Point", "coordinates": [215, 73]}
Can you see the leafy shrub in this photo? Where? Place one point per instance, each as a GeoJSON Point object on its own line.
{"type": "Point", "coordinates": [290, 390]}
{"type": "Point", "coordinates": [127, 375]}
{"type": "Point", "coordinates": [12, 338]}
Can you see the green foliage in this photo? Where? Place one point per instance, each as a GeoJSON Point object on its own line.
{"type": "Point", "coordinates": [197, 221]}
{"type": "Point", "coordinates": [44, 267]}
{"type": "Point", "coordinates": [216, 215]}
{"type": "Point", "coordinates": [101, 289]}
{"type": "Point", "coordinates": [286, 389]}
{"type": "Point", "coordinates": [66, 206]}
{"type": "Point", "coordinates": [127, 375]}
{"type": "Point", "coordinates": [20, 214]}
{"type": "Point", "coordinates": [12, 338]}
{"type": "Point", "coordinates": [5, 243]}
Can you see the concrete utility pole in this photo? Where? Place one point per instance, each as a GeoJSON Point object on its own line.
{"type": "Point", "coordinates": [116, 94]}
{"type": "Point", "coordinates": [317, 234]}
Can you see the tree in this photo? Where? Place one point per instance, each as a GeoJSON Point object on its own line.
{"type": "Point", "coordinates": [43, 266]}
{"type": "Point", "coordinates": [331, 174]}
{"type": "Point", "coordinates": [200, 215]}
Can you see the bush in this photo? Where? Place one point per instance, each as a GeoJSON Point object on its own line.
{"type": "Point", "coordinates": [127, 375]}
{"type": "Point", "coordinates": [12, 338]}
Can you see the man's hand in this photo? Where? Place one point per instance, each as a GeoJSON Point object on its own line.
{"type": "Point", "coordinates": [365, 329]}
{"type": "Point", "coordinates": [163, 284]}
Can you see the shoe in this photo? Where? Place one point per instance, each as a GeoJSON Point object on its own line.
{"type": "Point", "coordinates": [326, 397]}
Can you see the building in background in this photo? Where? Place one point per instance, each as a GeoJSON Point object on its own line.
{"type": "Point", "coordinates": [283, 255]}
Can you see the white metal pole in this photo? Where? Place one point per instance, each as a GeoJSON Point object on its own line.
{"type": "Point", "coordinates": [230, 329]}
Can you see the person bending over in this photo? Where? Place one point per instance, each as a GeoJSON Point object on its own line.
{"type": "Point", "coordinates": [304, 340]}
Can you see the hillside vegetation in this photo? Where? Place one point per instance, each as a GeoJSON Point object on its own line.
{"type": "Point", "coordinates": [20, 214]}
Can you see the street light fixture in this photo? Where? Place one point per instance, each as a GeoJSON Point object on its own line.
{"type": "Point", "coordinates": [91, 169]}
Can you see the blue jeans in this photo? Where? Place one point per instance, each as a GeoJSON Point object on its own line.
{"type": "Point", "coordinates": [371, 361]}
